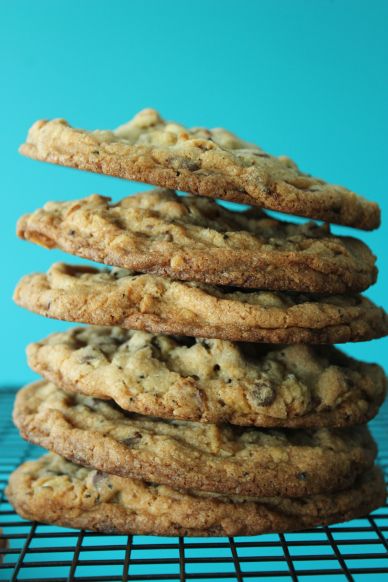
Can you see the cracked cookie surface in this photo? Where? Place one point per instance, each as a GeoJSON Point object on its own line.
{"type": "Point", "coordinates": [212, 380]}
{"type": "Point", "coordinates": [209, 457]}
{"type": "Point", "coordinates": [52, 490]}
{"type": "Point", "coordinates": [160, 305]}
{"type": "Point", "coordinates": [212, 163]}
{"type": "Point", "coordinates": [196, 239]}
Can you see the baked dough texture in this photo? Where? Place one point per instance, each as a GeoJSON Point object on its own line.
{"type": "Point", "coordinates": [55, 491]}
{"type": "Point", "coordinates": [160, 305]}
{"type": "Point", "coordinates": [196, 239]}
{"type": "Point", "coordinates": [212, 163]}
{"type": "Point", "coordinates": [209, 457]}
{"type": "Point", "coordinates": [211, 380]}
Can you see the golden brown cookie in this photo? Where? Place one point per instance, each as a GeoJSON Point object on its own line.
{"type": "Point", "coordinates": [196, 239]}
{"type": "Point", "coordinates": [212, 380]}
{"type": "Point", "coordinates": [55, 491]}
{"type": "Point", "coordinates": [160, 305]}
{"type": "Point", "coordinates": [212, 163]}
{"type": "Point", "coordinates": [209, 457]}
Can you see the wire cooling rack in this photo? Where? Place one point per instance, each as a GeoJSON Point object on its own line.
{"type": "Point", "coordinates": [357, 550]}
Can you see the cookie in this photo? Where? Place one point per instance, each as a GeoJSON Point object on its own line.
{"type": "Point", "coordinates": [196, 239]}
{"type": "Point", "coordinates": [209, 457]}
{"type": "Point", "coordinates": [52, 490]}
{"type": "Point", "coordinates": [209, 380]}
{"type": "Point", "coordinates": [160, 305]}
{"type": "Point", "coordinates": [212, 163]}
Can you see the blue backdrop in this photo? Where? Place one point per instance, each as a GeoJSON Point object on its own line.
{"type": "Point", "coordinates": [307, 78]}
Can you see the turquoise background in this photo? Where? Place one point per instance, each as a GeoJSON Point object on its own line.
{"type": "Point", "coordinates": [307, 78]}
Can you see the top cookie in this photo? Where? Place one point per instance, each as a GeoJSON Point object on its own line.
{"type": "Point", "coordinates": [196, 239]}
{"type": "Point", "coordinates": [212, 163]}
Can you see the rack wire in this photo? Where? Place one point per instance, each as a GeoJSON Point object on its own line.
{"type": "Point", "coordinates": [356, 550]}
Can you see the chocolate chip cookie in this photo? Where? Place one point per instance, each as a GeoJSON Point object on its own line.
{"type": "Point", "coordinates": [209, 457]}
{"type": "Point", "coordinates": [160, 305]}
{"type": "Point", "coordinates": [212, 380]}
{"type": "Point", "coordinates": [55, 491]}
{"type": "Point", "coordinates": [195, 239]}
{"type": "Point", "coordinates": [212, 163]}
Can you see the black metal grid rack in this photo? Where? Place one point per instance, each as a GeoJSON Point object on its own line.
{"type": "Point", "coordinates": [356, 550]}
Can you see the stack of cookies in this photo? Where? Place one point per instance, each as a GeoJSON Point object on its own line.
{"type": "Point", "coordinates": [204, 397]}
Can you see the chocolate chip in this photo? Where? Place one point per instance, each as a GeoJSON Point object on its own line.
{"type": "Point", "coordinates": [88, 358]}
{"type": "Point", "coordinates": [225, 236]}
{"type": "Point", "coordinates": [216, 367]}
{"type": "Point", "coordinates": [132, 440]}
{"type": "Point", "coordinates": [95, 152]}
{"type": "Point", "coordinates": [349, 382]}
{"type": "Point", "coordinates": [190, 165]}
{"type": "Point", "coordinates": [263, 394]}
